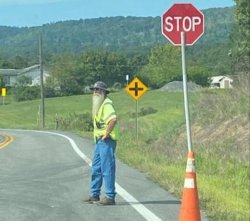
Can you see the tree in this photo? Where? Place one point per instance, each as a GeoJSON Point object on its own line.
{"type": "Point", "coordinates": [20, 62]}
{"type": "Point", "coordinates": [2, 83]}
{"type": "Point", "coordinates": [23, 90]}
{"type": "Point", "coordinates": [242, 15]}
{"type": "Point", "coordinates": [107, 66]}
{"type": "Point", "coordinates": [198, 75]}
{"type": "Point", "coordinates": [64, 75]}
{"type": "Point", "coordinates": [241, 37]}
{"type": "Point", "coordinates": [164, 66]}
{"type": "Point", "coordinates": [5, 63]}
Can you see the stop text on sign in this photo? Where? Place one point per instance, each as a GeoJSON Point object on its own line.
{"type": "Point", "coordinates": [182, 17]}
{"type": "Point", "coordinates": [178, 23]}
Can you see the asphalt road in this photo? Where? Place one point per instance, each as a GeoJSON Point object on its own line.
{"type": "Point", "coordinates": [45, 175]}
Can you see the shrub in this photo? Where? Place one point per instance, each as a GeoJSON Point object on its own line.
{"type": "Point", "coordinates": [81, 122]}
{"type": "Point", "coordinates": [26, 93]}
{"type": "Point", "coordinates": [144, 111]}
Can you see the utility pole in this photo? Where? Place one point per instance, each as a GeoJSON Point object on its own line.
{"type": "Point", "coordinates": [41, 82]}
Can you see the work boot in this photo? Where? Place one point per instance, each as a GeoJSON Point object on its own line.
{"type": "Point", "coordinates": [91, 199]}
{"type": "Point", "coordinates": [106, 201]}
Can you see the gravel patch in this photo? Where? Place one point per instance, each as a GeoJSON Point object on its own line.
{"type": "Point", "coordinates": [175, 86]}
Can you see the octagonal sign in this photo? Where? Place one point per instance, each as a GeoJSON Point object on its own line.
{"type": "Point", "coordinates": [182, 18]}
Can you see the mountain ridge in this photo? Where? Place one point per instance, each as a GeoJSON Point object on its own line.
{"type": "Point", "coordinates": [119, 34]}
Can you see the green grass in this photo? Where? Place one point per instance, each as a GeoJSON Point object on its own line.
{"type": "Point", "coordinates": [25, 114]}
{"type": "Point", "coordinates": [161, 152]}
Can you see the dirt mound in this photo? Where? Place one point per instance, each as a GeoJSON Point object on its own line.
{"type": "Point", "coordinates": [175, 86]}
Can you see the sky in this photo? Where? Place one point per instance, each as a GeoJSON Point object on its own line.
{"type": "Point", "coordinates": [30, 13]}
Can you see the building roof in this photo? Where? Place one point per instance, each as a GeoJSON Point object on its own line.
{"type": "Point", "coordinates": [25, 70]}
{"type": "Point", "coordinates": [9, 72]}
{"type": "Point", "coordinates": [218, 79]}
{"type": "Point", "coordinates": [15, 72]}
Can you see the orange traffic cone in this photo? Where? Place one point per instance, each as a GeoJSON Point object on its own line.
{"type": "Point", "coordinates": [190, 210]}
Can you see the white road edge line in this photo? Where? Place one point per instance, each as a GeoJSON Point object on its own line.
{"type": "Point", "coordinates": [145, 212]}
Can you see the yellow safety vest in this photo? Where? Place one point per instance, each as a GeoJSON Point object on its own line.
{"type": "Point", "coordinates": [105, 113]}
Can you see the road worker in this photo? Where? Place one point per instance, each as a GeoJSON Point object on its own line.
{"type": "Point", "coordinates": [105, 137]}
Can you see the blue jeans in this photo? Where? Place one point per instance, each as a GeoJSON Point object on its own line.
{"type": "Point", "coordinates": [103, 168]}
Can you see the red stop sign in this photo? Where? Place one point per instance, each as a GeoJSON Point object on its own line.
{"type": "Point", "coordinates": [182, 18]}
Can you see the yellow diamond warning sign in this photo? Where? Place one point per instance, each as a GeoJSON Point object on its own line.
{"type": "Point", "coordinates": [136, 88]}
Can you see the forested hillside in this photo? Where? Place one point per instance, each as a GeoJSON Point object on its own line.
{"type": "Point", "coordinates": [78, 53]}
{"type": "Point", "coordinates": [117, 34]}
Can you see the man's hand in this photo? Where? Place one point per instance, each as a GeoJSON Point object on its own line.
{"type": "Point", "coordinates": [111, 125]}
{"type": "Point", "coordinates": [105, 136]}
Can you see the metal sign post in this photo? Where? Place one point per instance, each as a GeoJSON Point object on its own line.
{"type": "Point", "coordinates": [136, 119]}
{"type": "Point", "coordinates": [185, 91]}
{"type": "Point", "coordinates": [136, 89]}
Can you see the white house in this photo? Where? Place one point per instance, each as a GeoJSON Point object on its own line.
{"type": "Point", "coordinates": [221, 82]}
{"type": "Point", "coordinates": [10, 75]}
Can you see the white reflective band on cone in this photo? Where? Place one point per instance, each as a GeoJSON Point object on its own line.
{"type": "Point", "coordinates": [190, 166]}
{"type": "Point", "coordinates": [189, 183]}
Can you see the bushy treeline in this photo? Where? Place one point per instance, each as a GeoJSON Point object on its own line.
{"type": "Point", "coordinates": [73, 74]}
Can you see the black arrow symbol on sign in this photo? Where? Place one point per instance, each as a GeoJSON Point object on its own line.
{"type": "Point", "coordinates": [136, 89]}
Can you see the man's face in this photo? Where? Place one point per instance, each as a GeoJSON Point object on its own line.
{"type": "Point", "coordinates": [98, 91]}
{"type": "Point", "coordinates": [98, 98]}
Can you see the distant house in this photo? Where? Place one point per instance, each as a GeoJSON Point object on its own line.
{"type": "Point", "coordinates": [221, 82]}
{"type": "Point", "coordinates": [10, 75]}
